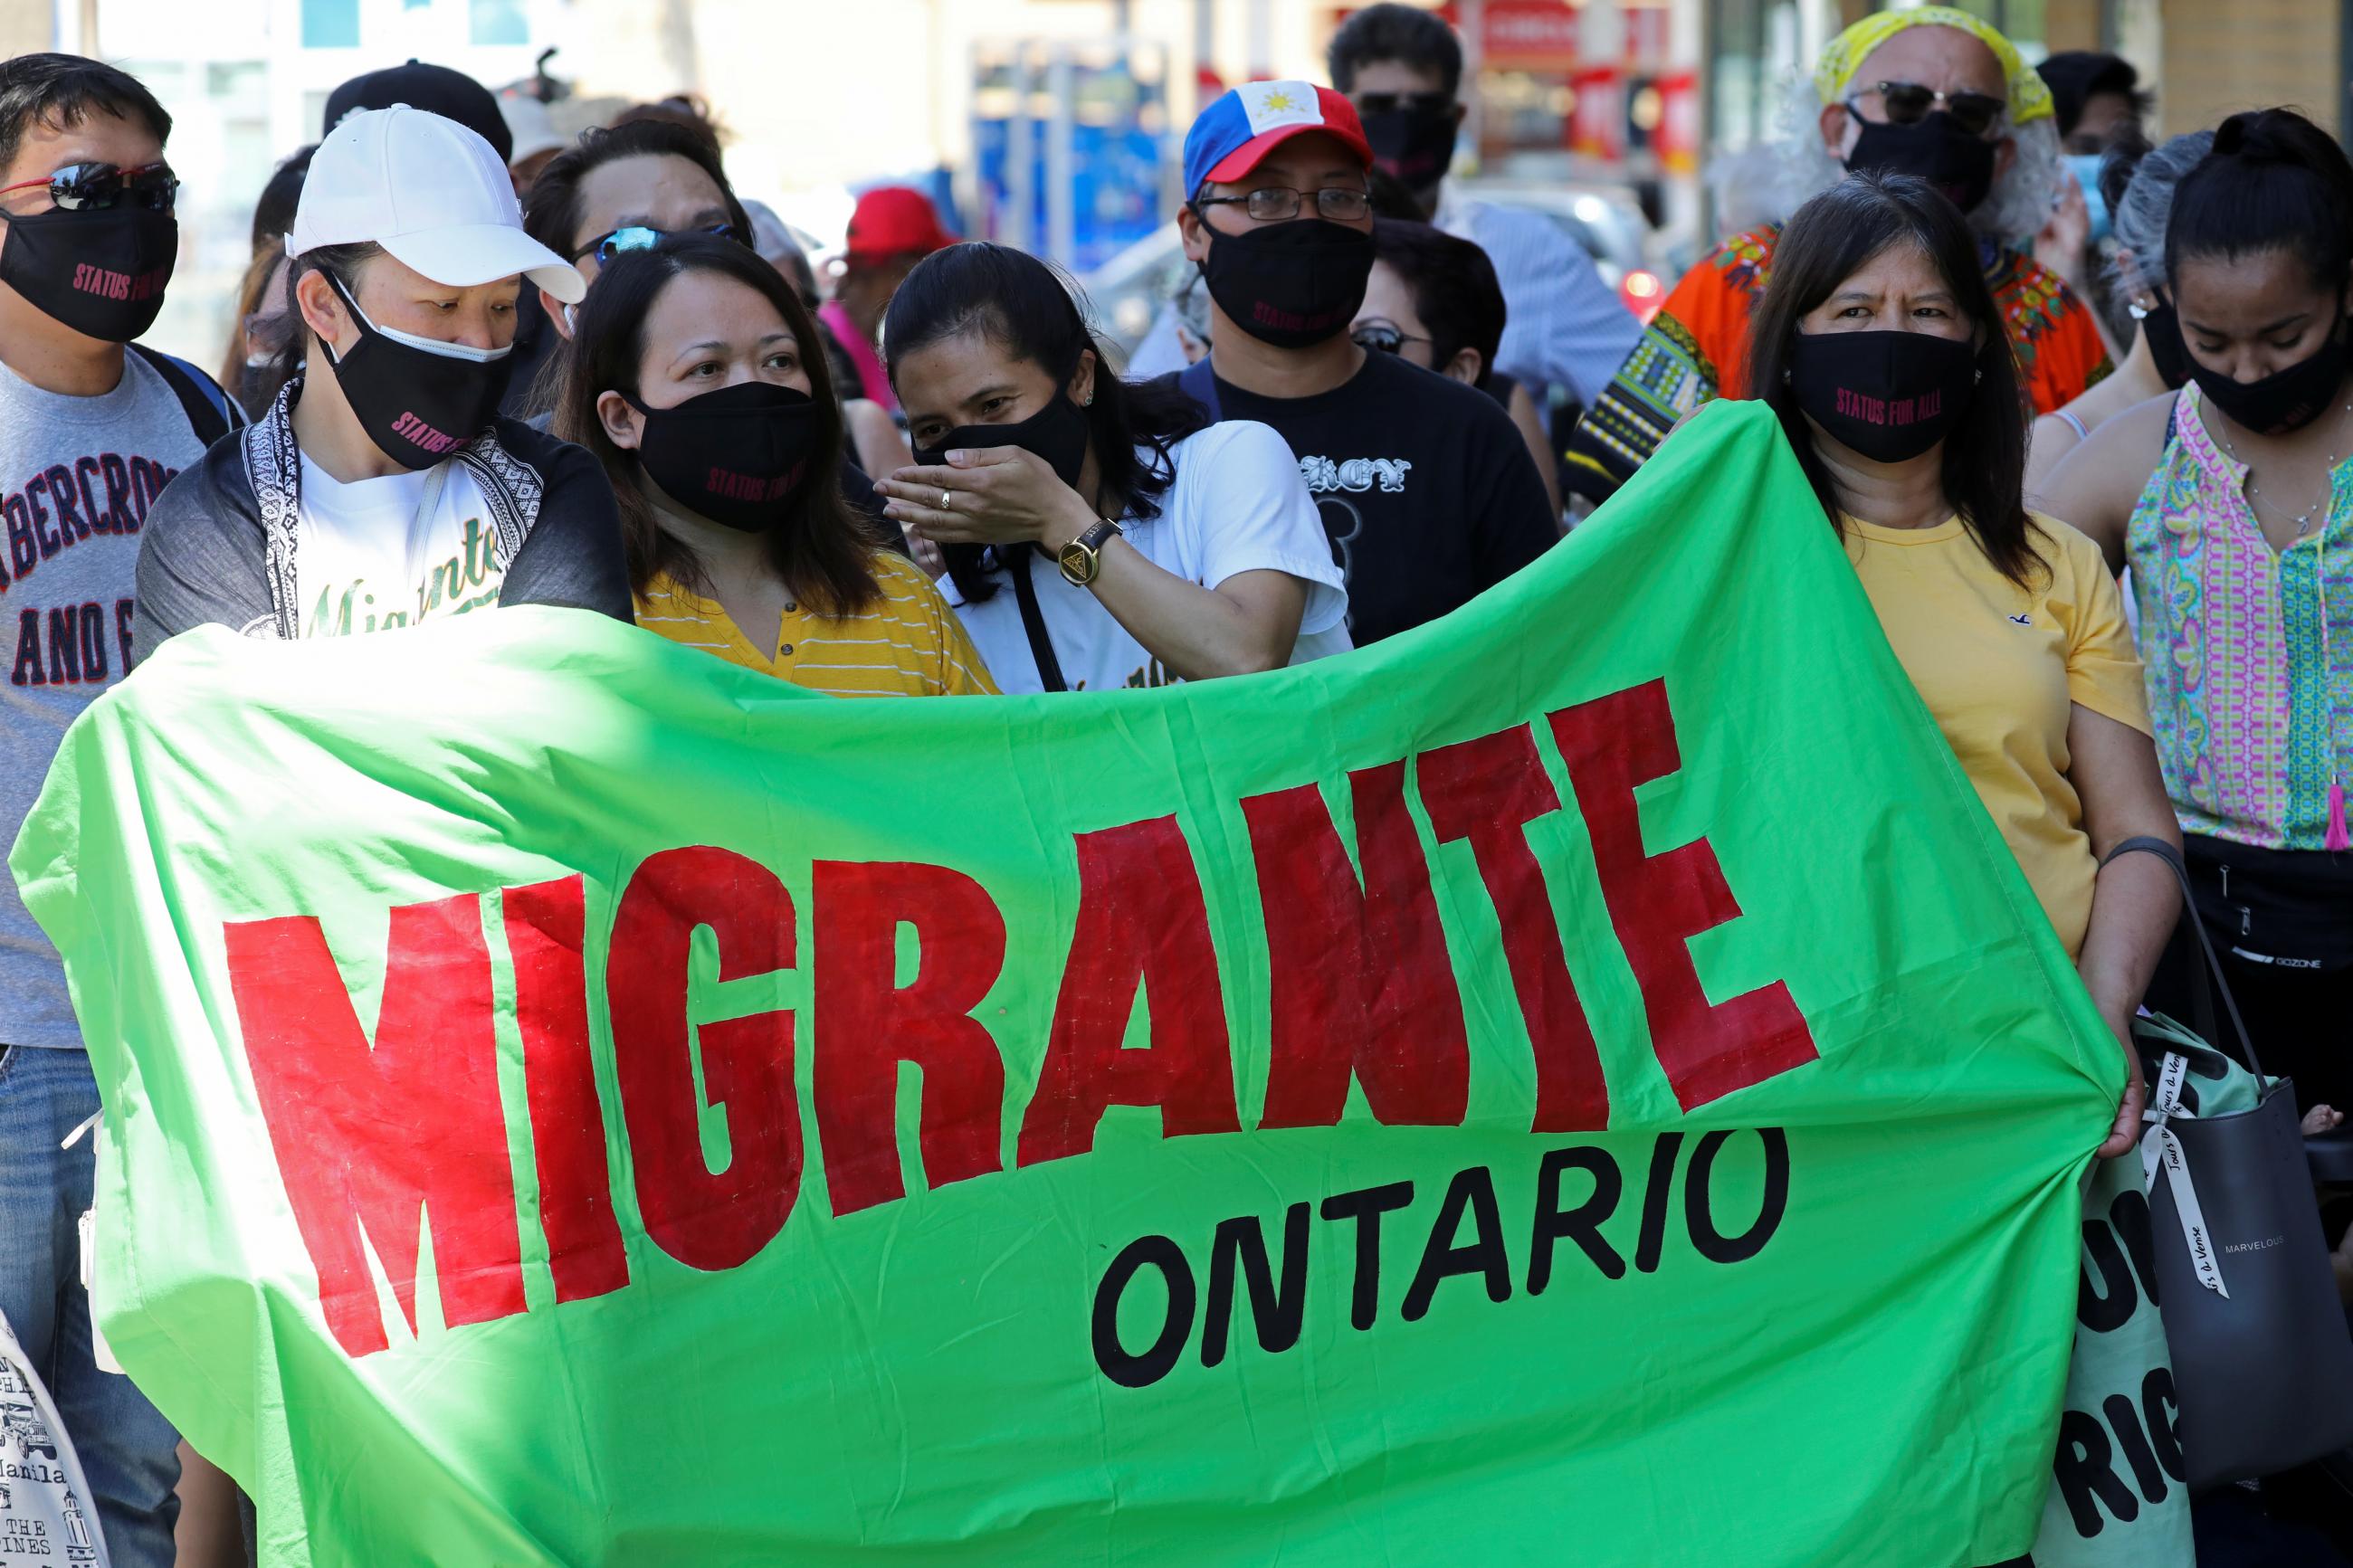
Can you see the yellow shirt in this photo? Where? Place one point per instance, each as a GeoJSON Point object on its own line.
{"type": "Point", "coordinates": [1998, 667]}
{"type": "Point", "coordinates": [906, 643]}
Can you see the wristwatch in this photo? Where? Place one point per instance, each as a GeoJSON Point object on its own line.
{"type": "Point", "coordinates": [1081, 559]}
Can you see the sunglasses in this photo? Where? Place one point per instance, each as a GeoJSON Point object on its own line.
{"type": "Point", "coordinates": [1908, 103]}
{"type": "Point", "coordinates": [1389, 102]}
{"type": "Point", "coordinates": [1382, 337]}
{"type": "Point", "coordinates": [638, 236]}
{"type": "Point", "coordinates": [101, 187]}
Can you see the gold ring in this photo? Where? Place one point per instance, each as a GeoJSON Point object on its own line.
{"type": "Point", "coordinates": [947, 500]}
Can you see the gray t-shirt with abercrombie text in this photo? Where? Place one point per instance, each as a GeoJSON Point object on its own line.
{"type": "Point", "coordinates": [77, 476]}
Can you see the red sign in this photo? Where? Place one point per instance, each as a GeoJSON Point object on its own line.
{"type": "Point", "coordinates": [1676, 141]}
{"type": "Point", "coordinates": [1514, 35]}
{"type": "Point", "coordinates": [1646, 37]}
{"type": "Point", "coordinates": [1596, 126]}
{"type": "Point", "coordinates": [1529, 35]}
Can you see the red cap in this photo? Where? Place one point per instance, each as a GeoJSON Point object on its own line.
{"type": "Point", "coordinates": [893, 220]}
{"type": "Point", "coordinates": [1331, 113]}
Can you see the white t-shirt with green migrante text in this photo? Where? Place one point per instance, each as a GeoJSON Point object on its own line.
{"type": "Point", "coordinates": [377, 553]}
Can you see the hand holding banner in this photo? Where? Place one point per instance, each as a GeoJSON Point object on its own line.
{"type": "Point", "coordinates": [1585, 1071]}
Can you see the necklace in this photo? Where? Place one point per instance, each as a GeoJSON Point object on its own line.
{"type": "Point", "coordinates": [2303, 520]}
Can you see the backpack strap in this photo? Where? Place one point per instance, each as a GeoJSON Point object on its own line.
{"type": "Point", "coordinates": [204, 403]}
{"type": "Point", "coordinates": [1198, 382]}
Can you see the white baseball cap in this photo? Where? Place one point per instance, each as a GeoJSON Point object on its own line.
{"type": "Point", "coordinates": [433, 193]}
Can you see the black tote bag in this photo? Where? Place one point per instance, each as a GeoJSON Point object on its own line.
{"type": "Point", "coordinates": [2263, 1367]}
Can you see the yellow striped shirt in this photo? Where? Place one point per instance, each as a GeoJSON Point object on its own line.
{"type": "Point", "coordinates": [907, 644]}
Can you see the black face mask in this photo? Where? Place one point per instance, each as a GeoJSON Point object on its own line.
{"type": "Point", "coordinates": [417, 398]}
{"type": "Point", "coordinates": [1057, 433]}
{"type": "Point", "coordinates": [101, 273]}
{"type": "Point", "coordinates": [734, 456]}
{"type": "Point", "coordinates": [1886, 395]}
{"type": "Point", "coordinates": [2286, 399]}
{"type": "Point", "coordinates": [1414, 145]}
{"type": "Point", "coordinates": [1936, 149]}
{"type": "Point", "coordinates": [1293, 285]}
{"type": "Point", "coordinates": [2166, 349]}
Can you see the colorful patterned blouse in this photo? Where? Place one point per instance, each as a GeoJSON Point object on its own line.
{"type": "Point", "coordinates": [1697, 348]}
{"type": "Point", "coordinates": [2251, 724]}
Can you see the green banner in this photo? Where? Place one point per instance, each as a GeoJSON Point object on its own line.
{"type": "Point", "coordinates": [1581, 1080]}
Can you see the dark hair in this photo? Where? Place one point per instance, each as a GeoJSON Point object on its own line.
{"type": "Point", "coordinates": [2075, 77]}
{"type": "Point", "coordinates": [273, 210]}
{"type": "Point", "coordinates": [1391, 198]}
{"type": "Point", "coordinates": [1830, 239]}
{"type": "Point", "coordinates": [1453, 286]}
{"type": "Point", "coordinates": [61, 90]}
{"type": "Point", "coordinates": [2119, 161]}
{"type": "Point", "coordinates": [551, 214]}
{"type": "Point", "coordinates": [1404, 32]}
{"type": "Point", "coordinates": [690, 109]}
{"type": "Point", "coordinates": [821, 549]}
{"type": "Point", "coordinates": [340, 262]}
{"type": "Point", "coordinates": [255, 388]}
{"type": "Point", "coordinates": [1029, 311]}
{"type": "Point", "coordinates": [2274, 180]}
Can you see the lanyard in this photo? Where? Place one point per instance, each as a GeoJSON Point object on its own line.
{"type": "Point", "coordinates": [2160, 1146]}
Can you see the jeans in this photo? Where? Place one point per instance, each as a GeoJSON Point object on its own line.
{"type": "Point", "coordinates": [129, 1452]}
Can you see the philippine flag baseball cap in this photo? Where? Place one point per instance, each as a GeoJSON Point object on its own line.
{"type": "Point", "coordinates": [433, 193]}
{"type": "Point", "coordinates": [1252, 119]}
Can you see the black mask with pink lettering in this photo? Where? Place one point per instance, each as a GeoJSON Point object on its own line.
{"type": "Point", "coordinates": [100, 272]}
{"type": "Point", "coordinates": [419, 399]}
{"type": "Point", "coordinates": [735, 455]}
{"type": "Point", "coordinates": [1291, 285]}
{"type": "Point", "coordinates": [1888, 396]}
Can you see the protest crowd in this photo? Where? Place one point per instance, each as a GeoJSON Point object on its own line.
{"type": "Point", "coordinates": [2092, 490]}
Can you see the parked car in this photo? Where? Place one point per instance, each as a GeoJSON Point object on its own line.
{"type": "Point", "coordinates": [1128, 291]}
{"type": "Point", "coordinates": [1607, 223]}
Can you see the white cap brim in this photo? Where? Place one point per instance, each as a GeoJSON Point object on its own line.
{"type": "Point", "coordinates": [484, 252]}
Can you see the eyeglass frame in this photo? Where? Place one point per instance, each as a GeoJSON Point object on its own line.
{"type": "Point", "coordinates": [1950, 102]}
{"type": "Point", "coordinates": [73, 176]}
{"type": "Point", "coordinates": [715, 231]}
{"type": "Point", "coordinates": [1298, 200]}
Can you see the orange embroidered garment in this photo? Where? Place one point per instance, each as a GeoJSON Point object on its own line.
{"type": "Point", "coordinates": [1697, 348]}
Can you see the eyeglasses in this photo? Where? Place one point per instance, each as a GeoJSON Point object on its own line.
{"type": "Point", "coordinates": [1908, 103]}
{"type": "Point", "coordinates": [1389, 102]}
{"type": "Point", "coordinates": [101, 187]}
{"type": "Point", "coordinates": [638, 236]}
{"type": "Point", "coordinates": [1377, 336]}
{"type": "Point", "coordinates": [1278, 203]}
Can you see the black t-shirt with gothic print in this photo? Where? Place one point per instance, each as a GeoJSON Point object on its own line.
{"type": "Point", "coordinates": [1424, 484]}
